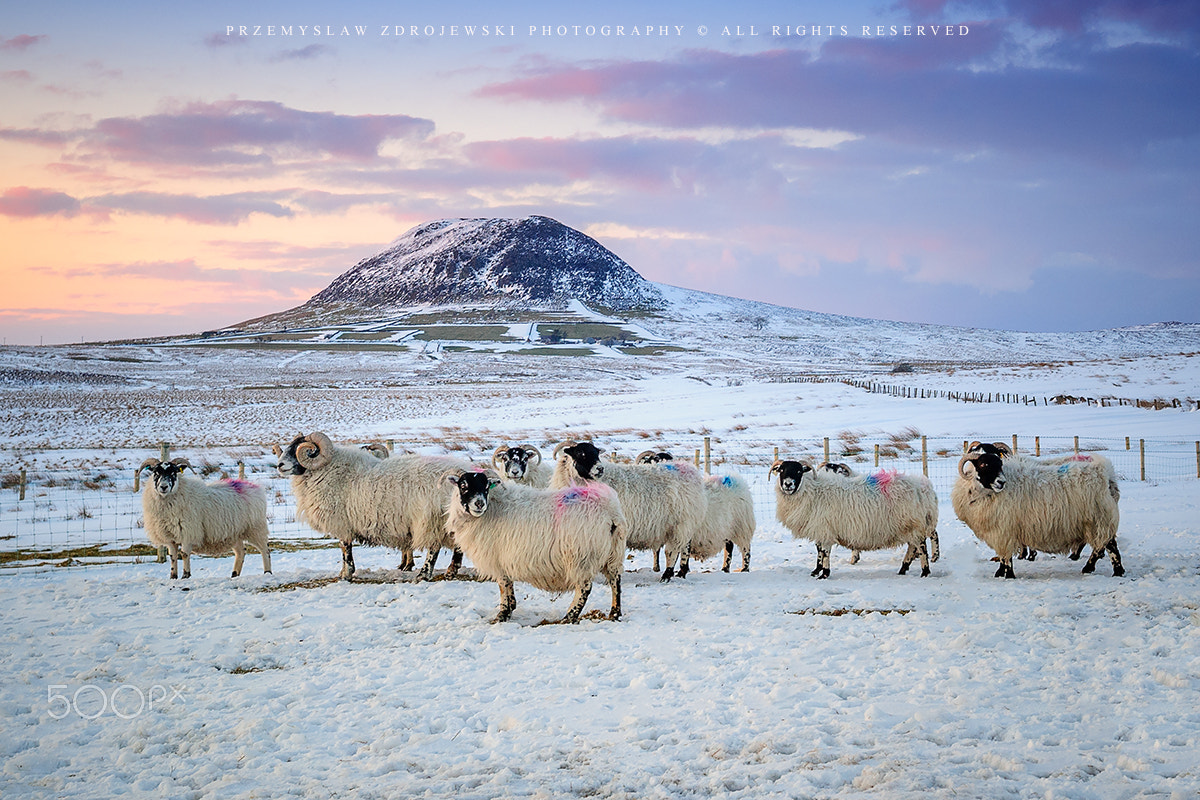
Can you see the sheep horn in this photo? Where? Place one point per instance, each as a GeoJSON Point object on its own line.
{"type": "Point", "coordinates": [377, 449]}
{"type": "Point", "coordinates": [643, 455]}
{"type": "Point", "coordinates": [277, 450]}
{"type": "Point", "coordinates": [149, 462]}
{"type": "Point", "coordinates": [775, 467]}
{"type": "Point", "coordinates": [963, 461]}
{"type": "Point", "coordinates": [561, 445]}
{"type": "Point", "coordinates": [496, 454]}
{"type": "Point", "coordinates": [182, 463]}
{"type": "Point", "coordinates": [322, 446]}
{"type": "Point", "coordinates": [1004, 449]}
{"type": "Point", "coordinates": [534, 453]}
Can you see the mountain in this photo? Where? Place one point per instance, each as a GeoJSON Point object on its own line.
{"type": "Point", "coordinates": [531, 261]}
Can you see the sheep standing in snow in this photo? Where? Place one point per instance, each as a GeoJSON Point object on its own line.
{"type": "Point", "coordinates": [353, 496]}
{"type": "Point", "coordinates": [870, 512]}
{"type": "Point", "coordinates": [187, 515]}
{"type": "Point", "coordinates": [1010, 503]}
{"type": "Point", "coordinates": [556, 540]}
{"type": "Point", "coordinates": [837, 468]}
{"type": "Point", "coordinates": [728, 521]}
{"type": "Point", "coordinates": [522, 464]}
{"type": "Point", "coordinates": [663, 506]}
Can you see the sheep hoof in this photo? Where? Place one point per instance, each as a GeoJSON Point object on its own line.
{"type": "Point", "coordinates": [924, 572]}
{"type": "Point", "coordinates": [235, 574]}
{"type": "Point", "coordinates": [668, 573]}
{"type": "Point", "coordinates": [1089, 568]}
{"type": "Point", "coordinates": [503, 616]}
{"type": "Point", "coordinates": [1118, 570]}
{"type": "Point", "coordinates": [904, 568]}
{"type": "Point", "coordinates": [822, 574]}
{"type": "Point", "coordinates": [1000, 570]}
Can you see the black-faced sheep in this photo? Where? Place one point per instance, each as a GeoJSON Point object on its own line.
{"type": "Point", "coordinates": [1010, 503]}
{"type": "Point", "coordinates": [556, 540]}
{"type": "Point", "coordinates": [870, 512]}
{"type": "Point", "coordinates": [187, 515]}
{"type": "Point", "coordinates": [353, 496]}
{"type": "Point", "coordinates": [522, 464]}
{"type": "Point", "coordinates": [837, 468]}
{"type": "Point", "coordinates": [664, 507]}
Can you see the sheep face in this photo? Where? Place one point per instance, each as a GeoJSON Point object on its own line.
{"type": "Point", "coordinates": [839, 469]}
{"type": "Point", "coordinates": [471, 490]}
{"type": "Point", "coordinates": [790, 474]}
{"type": "Point", "coordinates": [651, 457]}
{"type": "Point", "coordinates": [586, 458]}
{"type": "Point", "coordinates": [287, 463]}
{"type": "Point", "coordinates": [514, 461]}
{"type": "Point", "coordinates": [165, 477]}
{"type": "Point", "coordinates": [987, 469]}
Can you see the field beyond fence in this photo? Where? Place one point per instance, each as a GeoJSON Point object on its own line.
{"type": "Point", "coordinates": [76, 516]}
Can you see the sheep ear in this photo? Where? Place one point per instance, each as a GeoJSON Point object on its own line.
{"type": "Point", "coordinates": [492, 484]}
{"type": "Point", "coordinates": [452, 476]}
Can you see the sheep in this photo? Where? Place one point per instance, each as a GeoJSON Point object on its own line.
{"type": "Point", "coordinates": [871, 512]}
{"type": "Point", "coordinates": [1009, 503]}
{"type": "Point", "coordinates": [554, 539]}
{"type": "Point", "coordinates": [837, 468]}
{"type": "Point", "coordinates": [187, 515]}
{"type": "Point", "coordinates": [663, 505]}
{"type": "Point", "coordinates": [514, 464]}
{"type": "Point", "coordinates": [728, 521]}
{"type": "Point", "coordinates": [353, 496]}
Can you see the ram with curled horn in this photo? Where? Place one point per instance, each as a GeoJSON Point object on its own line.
{"type": "Point", "coordinates": [353, 496]}
{"type": "Point", "coordinates": [522, 464]}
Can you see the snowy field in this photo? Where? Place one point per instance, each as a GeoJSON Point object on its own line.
{"type": "Point", "coordinates": [121, 682]}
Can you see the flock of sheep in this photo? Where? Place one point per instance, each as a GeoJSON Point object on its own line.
{"type": "Point", "coordinates": [556, 527]}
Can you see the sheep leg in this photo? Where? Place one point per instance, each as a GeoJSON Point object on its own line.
{"type": "Point", "coordinates": [455, 563]}
{"type": "Point", "coordinates": [266, 554]}
{"type": "Point", "coordinates": [746, 560]}
{"type": "Point", "coordinates": [856, 554]}
{"type": "Point", "coordinates": [924, 554]}
{"type": "Point", "coordinates": [347, 561]}
{"type": "Point", "coordinates": [728, 556]}
{"type": "Point", "coordinates": [508, 600]}
{"type": "Point", "coordinates": [613, 574]}
{"type": "Point", "coordinates": [935, 547]}
{"type": "Point", "coordinates": [186, 555]}
{"type": "Point", "coordinates": [407, 562]}
{"type": "Point", "coordinates": [909, 555]}
{"type": "Point", "coordinates": [1115, 556]}
{"type": "Point", "coordinates": [1005, 570]}
{"type": "Point", "coordinates": [174, 548]}
{"type": "Point", "coordinates": [1090, 565]}
{"type": "Point", "coordinates": [581, 596]}
{"type": "Point", "coordinates": [669, 572]}
{"type": "Point", "coordinates": [685, 560]}
{"type": "Point", "coordinates": [822, 570]}
{"type": "Point", "coordinates": [239, 552]}
{"type": "Point", "coordinates": [657, 567]}
{"type": "Point", "coordinates": [1076, 552]}
{"type": "Point", "coordinates": [430, 562]}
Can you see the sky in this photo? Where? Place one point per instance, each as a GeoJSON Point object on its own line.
{"type": "Point", "coordinates": [1017, 164]}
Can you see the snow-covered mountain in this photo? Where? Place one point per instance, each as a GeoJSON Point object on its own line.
{"type": "Point", "coordinates": [531, 261]}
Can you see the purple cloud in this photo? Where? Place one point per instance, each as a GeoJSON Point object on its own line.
{"type": "Point", "coordinates": [22, 42]}
{"type": "Point", "coordinates": [23, 201]}
{"type": "Point", "coordinates": [303, 54]}
{"type": "Point", "coordinates": [228, 209]}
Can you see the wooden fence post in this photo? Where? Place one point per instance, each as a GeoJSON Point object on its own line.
{"type": "Point", "coordinates": [1037, 446]}
{"type": "Point", "coordinates": [391, 445]}
{"type": "Point", "coordinates": [1076, 445]}
{"type": "Point", "coordinates": [1198, 459]}
{"type": "Point", "coordinates": [776, 454]}
{"type": "Point", "coordinates": [876, 455]}
{"type": "Point", "coordinates": [1014, 444]}
{"type": "Point", "coordinates": [924, 457]}
{"type": "Point", "coordinates": [826, 449]}
{"type": "Point", "coordinates": [21, 494]}
{"type": "Point", "coordinates": [241, 470]}
{"type": "Point", "coordinates": [708, 455]}
{"type": "Point", "coordinates": [1127, 443]}
{"type": "Point", "coordinates": [1142, 456]}
{"type": "Point", "coordinates": [696, 458]}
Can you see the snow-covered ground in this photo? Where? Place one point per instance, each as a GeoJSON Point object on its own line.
{"type": "Point", "coordinates": [121, 682]}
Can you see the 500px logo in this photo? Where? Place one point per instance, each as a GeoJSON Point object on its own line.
{"type": "Point", "coordinates": [125, 701]}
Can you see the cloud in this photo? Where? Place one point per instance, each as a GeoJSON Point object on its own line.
{"type": "Point", "coordinates": [303, 54]}
{"type": "Point", "coordinates": [227, 209]}
{"type": "Point", "coordinates": [22, 42]}
{"type": "Point", "coordinates": [23, 201]}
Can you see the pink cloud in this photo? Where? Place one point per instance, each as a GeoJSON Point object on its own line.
{"type": "Point", "coordinates": [23, 201]}
{"type": "Point", "coordinates": [22, 42]}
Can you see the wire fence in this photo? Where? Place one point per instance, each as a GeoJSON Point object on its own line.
{"type": "Point", "coordinates": [77, 513]}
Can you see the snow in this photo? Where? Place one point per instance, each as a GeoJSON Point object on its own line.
{"type": "Point", "coordinates": [763, 684]}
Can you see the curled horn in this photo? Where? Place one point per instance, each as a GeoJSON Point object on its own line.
{"type": "Point", "coordinates": [315, 451]}
{"type": "Point", "coordinates": [496, 454]}
{"type": "Point", "coordinates": [647, 455]}
{"type": "Point", "coordinates": [559, 448]}
{"type": "Point", "coordinates": [534, 453]}
{"type": "Point", "coordinates": [377, 449]}
{"type": "Point", "coordinates": [1004, 449]}
{"type": "Point", "coordinates": [452, 476]}
{"type": "Point", "coordinates": [962, 462]}
{"type": "Point", "coordinates": [183, 464]}
{"type": "Point", "coordinates": [973, 445]}
{"type": "Point", "coordinates": [149, 463]}
{"type": "Point", "coordinates": [775, 467]}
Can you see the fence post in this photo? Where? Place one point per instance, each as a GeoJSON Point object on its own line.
{"type": "Point", "coordinates": [241, 470]}
{"type": "Point", "coordinates": [924, 457]}
{"type": "Point", "coordinates": [21, 495]}
{"type": "Point", "coordinates": [1014, 444]}
{"type": "Point", "coordinates": [391, 445]}
{"type": "Point", "coordinates": [1142, 456]}
{"type": "Point", "coordinates": [137, 481]}
{"type": "Point", "coordinates": [1037, 446]}
{"type": "Point", "coordinates": [826, 449]}
{"type": "Point", "coordinates": [708, 455]}
{"type": "Point", "coordinates": [1076, 445]}
{"type": "Point", "coordinates": [1127, 443]}
{"type": "Point", "coordinates": [776, 454]}
{"type": "Point", "coordinates": [1198, 459]}
{"type": "Point", "coordinates": [876, 455]}
{"type": "Point", "coordinates": [696, 458]}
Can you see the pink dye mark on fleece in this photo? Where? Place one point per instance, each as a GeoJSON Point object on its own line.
{"type": "Point", "coordinates": [590, 494]}
{"type": "Point", "coordinates": [1081, 457]}
{"type": "Point", "coordinates": [882, 480]}
{"type": "Point", "coordinates": [240, 486]}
